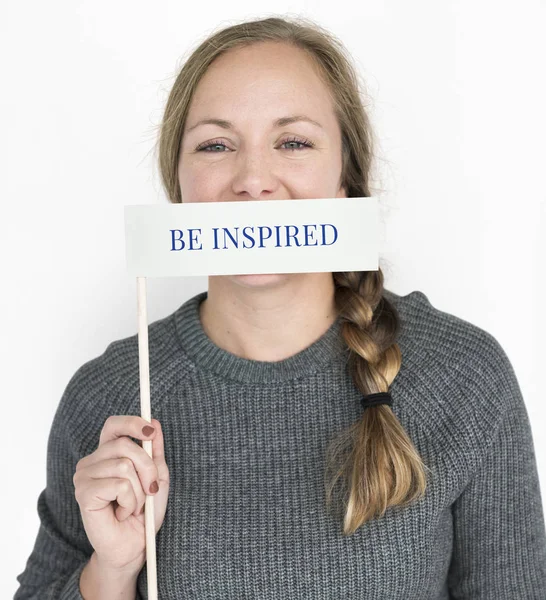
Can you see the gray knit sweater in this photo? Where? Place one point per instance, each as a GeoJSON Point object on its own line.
{"type": "Point", "coordinates": [245, 445]}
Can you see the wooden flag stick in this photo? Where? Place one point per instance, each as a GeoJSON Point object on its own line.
{"type": "Point", "coordinates": [146, 413]}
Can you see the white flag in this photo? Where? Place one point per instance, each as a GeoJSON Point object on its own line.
{"type": "Point", "coordinates": [252, 237]}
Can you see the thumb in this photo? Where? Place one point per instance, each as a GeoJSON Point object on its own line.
{"type": "Point", "coordinates": [158, 456]}
{"type": "Point", "coordinates": [158, 449]}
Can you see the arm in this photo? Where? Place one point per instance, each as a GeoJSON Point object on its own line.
{"type": "Point", "coordinates": [499, 544]}
{"type": "Point", "coordinates": [97, 582]}
{"type": "Point", "coordinates": [62, 550]}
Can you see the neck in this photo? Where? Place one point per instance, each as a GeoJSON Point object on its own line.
{"type": "Point", "coordinates": [268, 317]}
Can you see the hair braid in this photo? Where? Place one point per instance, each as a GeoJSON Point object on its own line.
{"type": "Point", "coordinates": [375, 457]}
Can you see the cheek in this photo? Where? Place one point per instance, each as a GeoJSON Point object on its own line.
{"type": "Point", "coordinates": [199, 185]}
{"type": "Point", "coordinates": [310, 181]}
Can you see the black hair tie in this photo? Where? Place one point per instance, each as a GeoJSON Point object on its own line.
{"type": "Point", "coordinates": [374, 399]}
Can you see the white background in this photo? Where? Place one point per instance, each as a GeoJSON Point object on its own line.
{"type": "Point", "coordinates": [458, 96]}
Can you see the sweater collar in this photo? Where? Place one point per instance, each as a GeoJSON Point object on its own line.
{"type": "Point", "coordinates": [327, 350]}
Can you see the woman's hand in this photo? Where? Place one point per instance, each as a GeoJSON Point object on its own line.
{"type": "Point", "coordinates": [111, 487]}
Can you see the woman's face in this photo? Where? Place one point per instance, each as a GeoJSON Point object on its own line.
{"type": "Point", "coordinates": [251, 156]}
{"type": "Point", "coordinates": [255, 152]}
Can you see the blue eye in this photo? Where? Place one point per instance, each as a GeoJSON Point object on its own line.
{"type": "Point", "coordinates": [200, 148]}
{"type": "Point", "coordinates": [302, 142]}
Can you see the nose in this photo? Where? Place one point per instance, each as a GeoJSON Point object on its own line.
{"type": "Point", "coordinates": [254, 177]}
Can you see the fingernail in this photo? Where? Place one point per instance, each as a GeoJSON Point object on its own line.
{"type": "Point", "coordinates": [147, 430]}
{"type": "Point", "coordinates": [154, 488]}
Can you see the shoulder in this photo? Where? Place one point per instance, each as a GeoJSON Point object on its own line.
{"type": "Point", "coordinates": [456, 379]}
{"type": "Point", "coordinates": [109, 383]}
{"type": "Point", "coordinates": [429, 334]}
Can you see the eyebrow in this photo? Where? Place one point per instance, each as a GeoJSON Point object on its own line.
{"type": "Point", "coordinates": [278, 123]}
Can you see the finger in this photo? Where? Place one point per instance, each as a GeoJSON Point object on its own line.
{"type": "Point", "coordinates": [122, 468]}
{"type": "Point", "coordinates": [146, 469]}
{"type": "Point", "coordinates": [117, 426]}
{"type": "Point", "coordinates": [96, 494]}
{"type": "Point", "coordinates": [158, 453]}
{"type": "Point", "coordinates": [158, 442]}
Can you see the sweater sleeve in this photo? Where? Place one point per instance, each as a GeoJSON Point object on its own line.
{"type": "Point", "coordinates": [499, 544]}
{"type": "Point", "coordinates": [62, 549]}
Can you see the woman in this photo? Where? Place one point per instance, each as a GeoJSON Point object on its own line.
{"type": "Point", "coordinates": [273, 478]}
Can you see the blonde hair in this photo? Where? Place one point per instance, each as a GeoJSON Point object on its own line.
{"type": "Point", "coordinates": [374, 459]}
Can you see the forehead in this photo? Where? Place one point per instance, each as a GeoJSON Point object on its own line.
{"type": "Point", "coordinates": [268, 76]}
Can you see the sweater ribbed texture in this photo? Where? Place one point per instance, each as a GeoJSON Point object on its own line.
{"type": "Point", "coordinates": [245, 444]}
